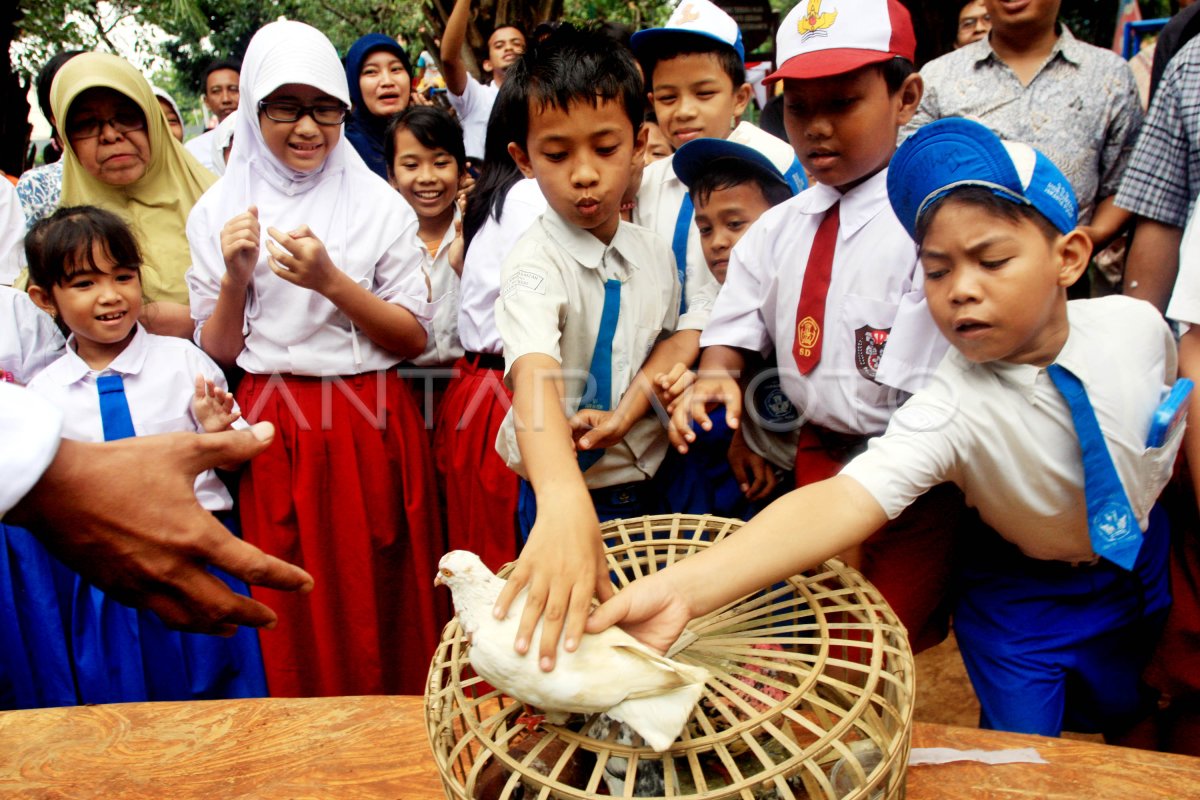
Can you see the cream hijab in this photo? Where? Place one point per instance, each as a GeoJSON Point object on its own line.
{"type": "Point", "coordinates": [156, 206]}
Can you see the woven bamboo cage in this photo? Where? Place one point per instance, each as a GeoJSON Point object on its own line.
{"type": "Point", "coordinates": [810, 696]}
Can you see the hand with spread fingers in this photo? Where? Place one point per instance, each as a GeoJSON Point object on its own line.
{"type": "Point", "coordinates": [213, 406]}
{"type": "Point", "coordinates": [710, 391]}
{"type": "Point", "coordinates": [147, 542]}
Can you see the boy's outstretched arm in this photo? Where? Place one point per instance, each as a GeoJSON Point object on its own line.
{"type": "Point", "coordinates": [562, 564]}
{"type": "Point", "coordinates": [796, 532]}
{"type": "Point", "coordinates": [454, 71]}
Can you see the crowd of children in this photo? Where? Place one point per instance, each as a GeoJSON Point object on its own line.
{"type": "Point", "coordinates": [869, 351]}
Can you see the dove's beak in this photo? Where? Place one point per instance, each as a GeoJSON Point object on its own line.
{"type": "Point", "coordinates": [437, 580]}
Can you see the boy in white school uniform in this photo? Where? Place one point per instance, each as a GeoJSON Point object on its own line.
{"type": "Point", "coordinates": [586, 306]}
{"type": "Point", "coordinates": [830, 280]}
{"type": "Point", "coordinates": [1042, 414]}
{"type": "Point", "coordinates": [695, 73]}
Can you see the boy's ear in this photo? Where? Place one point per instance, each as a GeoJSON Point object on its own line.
{"type": "Point", "coordinates": [1074, 251]}
{"type": "Point", "coordinates": [486, 65]}
{"type": "Point", "coordinates": [42, 299]}
{"type": "Point", "coordinates": [521, 158]}
{"type": "Point", "coordinates": [910, 94]}
{"type": "Point", "coordinates": [741, 99]}
{"type": "Point", "coordinates": [639, 144]}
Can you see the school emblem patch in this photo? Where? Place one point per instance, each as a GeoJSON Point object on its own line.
{"type": "Point", "coordinates": [868, 350]}
{"type": "Point", "coordinates": [808, 333]}
{"type": "Point", "coordinates": [814, 23]}
{"type": "Point", "coordinates": [774, 408]}
{"type": "Point", "coordinates": [1112, 523]}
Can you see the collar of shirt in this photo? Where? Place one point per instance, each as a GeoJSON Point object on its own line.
{"type": "Point", "coordinates": [1067, 46]}
{"type": "Point", "coordinates": [859, 205]}
{"type": "Point", "coordinates": [1024, 377]}
{"type": "Point", "coordinates": [71, 368]}
{"type": "Point", "coordinates": [585, 248]}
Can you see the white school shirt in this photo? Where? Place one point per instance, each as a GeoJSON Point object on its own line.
{"type": "Point", "coordinates": [202, 148]}
{"type": "Point", "coordinates": [551, 301]}
{"type": "Point", "coordinates": [480, 285]}
{"type": "Point", "coordinates": [658, 202]}
{"type": "Point", "coordinates": [1004, 434]}
{"type": "Point", "coordinates": [29, 339]}
{"type": "Point", "coordinates": [1184, 305]}
{"type": "Point", "coordinates": [443, 345]}
{"type": "Point", "coordinates": [474, 107]}
{"type": "Point", "coordinates": [159, 374]}
{"type": "Point", "coordinates": [31, 431]}
{"type": "Point", "coordinates": [293, 330]}
{"type": "Point", "coordinates": [876, 289]}
{"type": "Point", "coordinates": [12, 234]}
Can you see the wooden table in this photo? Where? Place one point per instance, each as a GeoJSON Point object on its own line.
{"type": "Point", "coordinates": [376, 747]}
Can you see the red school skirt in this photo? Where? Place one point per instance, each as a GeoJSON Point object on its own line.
{"type": "Point", "coordinates": [346, 490]}
{"type": "Point", "coordinates": [481, 491]}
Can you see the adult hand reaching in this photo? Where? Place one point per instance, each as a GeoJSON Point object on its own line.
{"type": "Point", "coordinates": [124, 515]}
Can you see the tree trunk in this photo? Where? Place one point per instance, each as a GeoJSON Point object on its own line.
{"type": "Point", "coordinates": [486, 15]}
{"type": "Point", "coordinates": [14, 111]}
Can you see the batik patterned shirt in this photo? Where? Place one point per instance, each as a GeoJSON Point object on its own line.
{"type": "Point", "coordinates": [1081, 108]}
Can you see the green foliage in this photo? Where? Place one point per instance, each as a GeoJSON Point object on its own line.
{"type": "Point", "coordinates": [635, 13]}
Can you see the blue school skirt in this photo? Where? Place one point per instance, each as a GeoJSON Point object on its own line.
{"type": "Point", "coordinates": [64, 642]}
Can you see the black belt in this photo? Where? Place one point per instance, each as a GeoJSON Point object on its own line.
{"type": "Point", "coordinates": [484, 360]}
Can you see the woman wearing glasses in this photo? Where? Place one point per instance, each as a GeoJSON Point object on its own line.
{"type": "Point", "coordinates": [306, 273]}
{"type": "Point", "coordinates": [119, 154]}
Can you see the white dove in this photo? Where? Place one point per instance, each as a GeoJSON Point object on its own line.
{"type": "Point", "coordinates": [610, 672]}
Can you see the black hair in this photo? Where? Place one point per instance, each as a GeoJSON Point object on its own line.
{"type": "Point", "coordinates": [895, 72]}
{"type": "Point", "coordinates": [218, 64]}
{"type": "Point", "coordinates": [433, 127]}
{"type": "Point", "coordinates": [685, 44]}
{"type": "Point", "coordinates": [726, 173]}
{"type": "Point", "coordinates": [63, 243]}
{"type": "Point", "coordinates": [487, 33]}
{"type": "Point", "coordinates": [45, 79]}
{"type": "Point", "coordinates": [499, 171]}
{"type": "Point", "coordinates": [574, 66]}
{"type": "Point", "coordinates": [984, 198]}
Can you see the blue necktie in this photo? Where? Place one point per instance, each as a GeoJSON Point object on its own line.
{"type": "Point", "coordinates": [114, 408]}
{"type": "Point", "coordinates": [601, 368]}
{"type": "Point", "coordinates": [683, 226]}
{"type": "Point", "coordinates": [1112, 524]}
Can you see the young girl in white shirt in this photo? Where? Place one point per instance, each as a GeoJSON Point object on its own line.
{"type": "Point", "coordinates": [427, 165]}
{"type": "Point", "coordinates": [115, 380]}
{"type": "Point", "coordinates": [306, 274]}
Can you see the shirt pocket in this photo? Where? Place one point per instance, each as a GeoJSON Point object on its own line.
{"type": "Point", "coordinates": [1158, 464]}
{"type": "Point", "coordinates": [867, 324]}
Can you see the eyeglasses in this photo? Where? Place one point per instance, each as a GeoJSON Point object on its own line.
{"type": "Point", "coordinates": [90, 127]}
{"type": "Point", "coordinates": [292, 112]}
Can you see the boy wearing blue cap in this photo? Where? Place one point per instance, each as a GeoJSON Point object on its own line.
{"type": "Point", "coordinates": [830, 282]}
{"type": "Point", "coordinates": [731, 473]}
{"type": "Point", "coordinates": [1042, 414]}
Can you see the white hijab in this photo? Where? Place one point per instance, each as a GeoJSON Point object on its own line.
{"type": "Point", "coordinates": [359, 218]}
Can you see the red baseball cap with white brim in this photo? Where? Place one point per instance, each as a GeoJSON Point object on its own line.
{"type": "Point", "coordinates": [822, 38]}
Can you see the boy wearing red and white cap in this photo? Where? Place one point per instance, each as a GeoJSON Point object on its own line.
{"type": "Point", "coordinates": [830, 280]}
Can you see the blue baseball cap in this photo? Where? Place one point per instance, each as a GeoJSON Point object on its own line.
{"type": "Point", "coordinates": [693, 18]}
{"type": "Point", "coordinates": [693, 158]}
{"type": "Point", "coordinates": [952, 153]}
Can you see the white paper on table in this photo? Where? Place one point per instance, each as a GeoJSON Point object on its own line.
{"type": "Point", "coordinates": [945, 755]}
